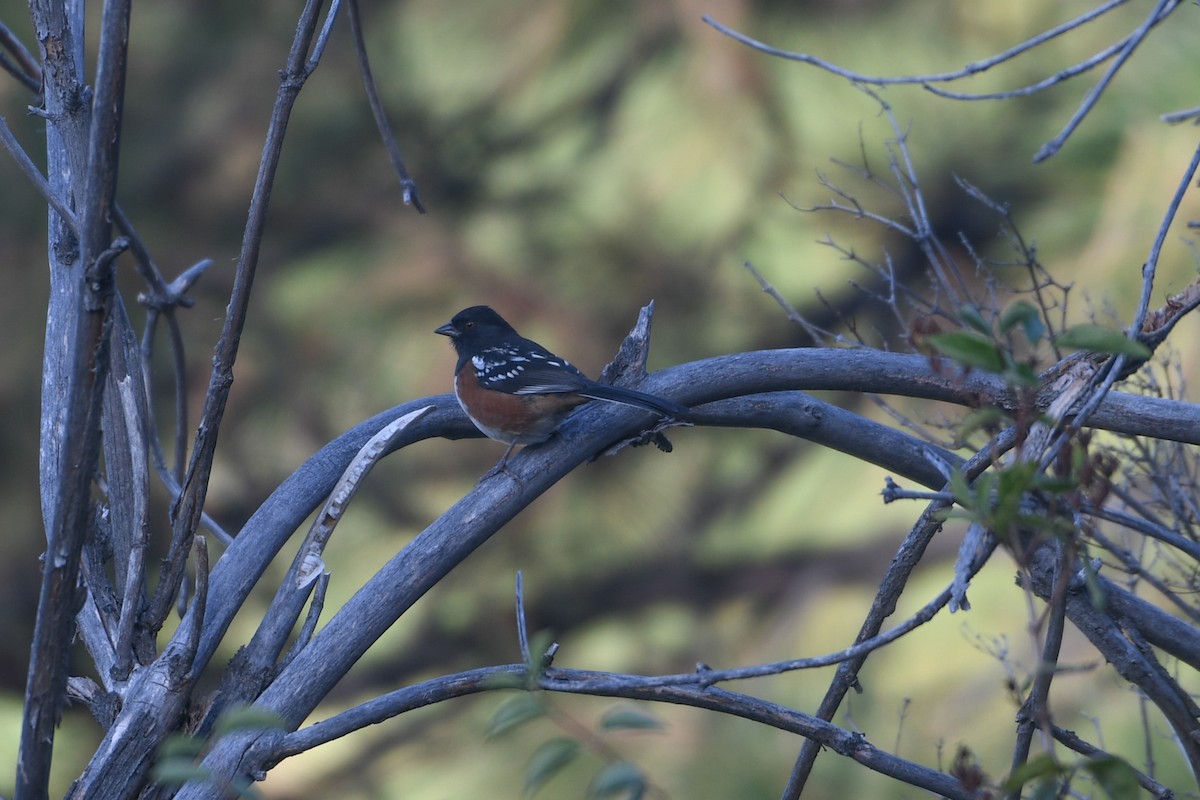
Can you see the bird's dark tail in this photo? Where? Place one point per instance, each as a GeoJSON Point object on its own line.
{"type": "Point", "coordinates": [629, 397]}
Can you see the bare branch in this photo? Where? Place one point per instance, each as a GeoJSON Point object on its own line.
{"type": "Point", "coordinates": [257, 662]}
{"type": "Point", "coordinates": [127, 459]}
{"type": "Point", "coordinates": [1034, 714]}
{"type": "Point", "coordinates": [602, 684]}
{"type": "Point", "coordinates": [1125, 649]}
{"type": "Point", "coordinates": [884, 604]}
{"type": "Point", "coordinates": [1121, 51]}
{"type": "Point", "coordinates": [522, 633]}
{"type": "Point", "coordinates": [1160, 12]}
{"type": "Point", "coordinates": [974, 68]}
{"type": "Point", "coordinates": [1072, 740]}
{"type": "Point", "coordinates": [22, 66]}
{"type": "Point", "coordinates": [315, 607]}
{"type": "Point", "coordinates": [79, 358]}
{"type": "Point", "coordinates": [187, 509]}
{"type": "Point", "coordinates": [407, 185]}
{"type": "Point", "coordinates": [30, 170]}
{"type": "Point", "coordinates": [1159, 327]}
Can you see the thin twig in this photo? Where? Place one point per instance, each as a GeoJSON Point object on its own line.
{"type": "Point", "coordinates": [407, 185]}
{"type": "Point", "coordinates": [1122, 51]}
{"type": "Point", "coordinates": [1061, 76]}
{"type": "Point", "coordinates": [315, 606]}
{"type": "Point", "coordinates": [1034, 714]}
{"type": "Point", "coordinates": [847, 743]}
{"type": "Point", "coordinates": [30, 170]}
{"type": "Point", "coordinates": [23, 66]}
{"type": "Point", "coordinates": [1151, 266]}
{"type": "Point", "coordinates": [1175, 117]}
{"type": "Point", "coordinates": [187, 509]}
{"type": "Point", "coordinates": [522, 631]}
{"type": "Point", "coordinates": [1071, 740]}
{"type": "Point", "coordinates": [974, 68]}
{"type": "Point", "coordinates": [1160, 12]}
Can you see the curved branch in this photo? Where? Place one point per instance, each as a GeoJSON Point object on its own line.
{"type": "Point", "coordinates": [274, 749]}
{"type": "Point", "coordinates": [1121, 51]}
{"type": "Point", "coordinates": [974, 68]}
{"type": "Point", "coordinates": [1122, 644]}
{"type": "Point", "coordinates": [846, 743]}
{"type": "Point", "coordinates": [1071, 740]}
{"type": "Point", "coordinates": [257, 662]}
{"type": "Point", "coordinates": [754, 377]}
{"type": "Point", "coordinates": [447, 541]}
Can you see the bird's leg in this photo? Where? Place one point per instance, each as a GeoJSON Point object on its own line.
{"type": "Point", "coordinates": [501, 465]}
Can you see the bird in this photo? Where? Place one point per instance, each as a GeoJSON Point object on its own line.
{"type": "Point", "coordinates": [516, 391]}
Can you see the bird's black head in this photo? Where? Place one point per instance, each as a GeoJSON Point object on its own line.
{"type": "Point", "coordinates": [475, 323]}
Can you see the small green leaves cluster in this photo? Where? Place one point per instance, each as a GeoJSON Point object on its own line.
{"type": "Point", "coordinates": [996, 499]}
{"type": "Point", "coordinates": [987, 345]}
{"type": "Point", "coordinates": [616, 778]}
{"type": "Point", "coordinates": [180, 755]}
{"type": "Point", "coordinates": [1048, 775]}
{"type": "Point", "coordinates": [984, 346]}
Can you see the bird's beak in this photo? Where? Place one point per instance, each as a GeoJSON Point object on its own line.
{"type": "Point", "coordinates": [447, 330]}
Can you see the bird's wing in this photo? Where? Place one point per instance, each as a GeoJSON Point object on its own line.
{"type": "Point", "coordinates": [527, 370]}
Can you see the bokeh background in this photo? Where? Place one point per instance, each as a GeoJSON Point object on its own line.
{"type": "Point", "coordinates": [579, 159]}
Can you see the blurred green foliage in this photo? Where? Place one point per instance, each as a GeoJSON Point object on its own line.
{"type": "Point", "coordinates": [578, 159]}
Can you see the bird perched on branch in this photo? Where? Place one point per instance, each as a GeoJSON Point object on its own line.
{"type": "Point", "coordinates": [517, 391]}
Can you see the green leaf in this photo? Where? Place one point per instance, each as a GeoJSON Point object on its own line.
{"type": "Point", "coordinates": [178, 771]}
{"type": "Point", "coordinates": [1053, 484]}
{"type": "Point", "coordinates": [1115, 776]}
{"type": "Point", "coordinates": [513, 712]}
{"type": "Point", "coordinates": [961, 490]}
{"type": "Point", "coordinates": [1018, 478]}
{"type": "Point", "coordinates": [969, 349]}
{"type": "Point", "coordinates": [627, 718]}
{"type": "Point", "coordinates": [970, 315]}
{"type": "Point", "coordinates": [548, 760]}
{"type": "Point", "coordinates": [1046, 789]}
{"type": "Point", "coordinates": [1043, 766]}
{"type": "Point", "coordinates": [243, 718]}
{"type": "Point", "coordinates": [617, 778]}
{"type": "Point", "coordinates": [1026, 315]}
{"type": "Point", "coordinates": [1095, 339]}
{"type": "Point", "coordinates": [1012, 483]}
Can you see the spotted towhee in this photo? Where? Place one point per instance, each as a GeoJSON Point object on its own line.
{"type": "Point", "coordinates": [517, 391]}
